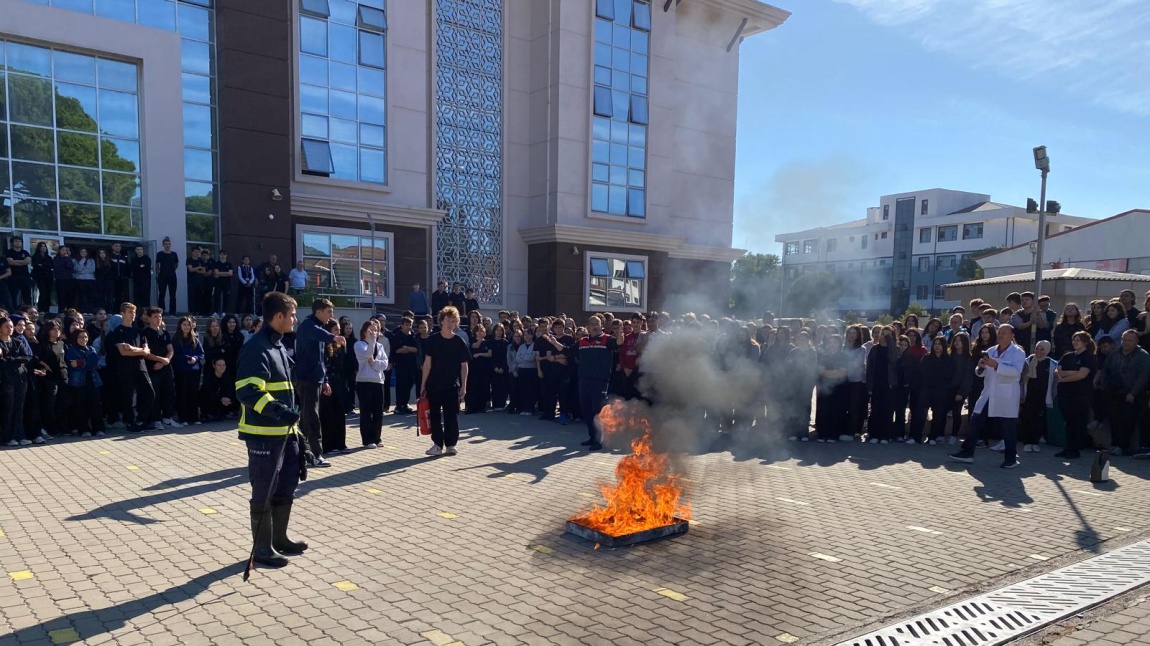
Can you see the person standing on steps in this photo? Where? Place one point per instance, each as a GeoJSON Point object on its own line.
{"type": "Point", "coordinates": [140, 268]}
{"type": "Point", "coordinates": [120, 274]}
{"type": "Point", "coordinates": [1001, 371]}
{"type": "Point", "coordinates": [444, 382]}
{"type": "Point", "coordinates": [267, 425]}
{"type": "Point", "coordinates": [167, 262]}
{"type": "Point", "coordinates": [311, 375]}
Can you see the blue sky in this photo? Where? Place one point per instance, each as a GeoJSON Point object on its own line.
{"type": "Point", "coordinates": [852, 99]}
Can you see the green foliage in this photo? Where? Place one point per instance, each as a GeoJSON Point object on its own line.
{"type": "Point", "coordinates": [813, 291]}
{"type": "Point", "coordinates": [916, 309]}
{"type": "Point", "coordinates": [885, 319]}
{"type": "Point", "coordinates": [755, 284]}
{"type": "Point", "coordinates": [852, 317]}
{"type": "Point", "coordinates": [968, 268]}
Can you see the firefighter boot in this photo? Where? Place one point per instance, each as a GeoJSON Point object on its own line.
{"type": "Point", "coordinates": [281, 515]}
{"type": "Point", "coordinates": [264, 553]}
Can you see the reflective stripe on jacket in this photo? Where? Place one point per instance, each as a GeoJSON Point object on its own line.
{"type": "Point", "coordinates": [263, 385]}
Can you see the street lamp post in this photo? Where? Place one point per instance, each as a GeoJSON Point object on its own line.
{"type": "Point", "coordinates": [1042, 163]}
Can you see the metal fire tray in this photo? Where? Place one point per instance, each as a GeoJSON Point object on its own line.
{"type": "Point", "coordinates": [582, 531]}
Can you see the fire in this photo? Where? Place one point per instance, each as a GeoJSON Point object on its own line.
{"type": "Point", "coordinates": [645, 494]}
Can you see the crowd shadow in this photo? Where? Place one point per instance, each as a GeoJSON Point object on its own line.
{"type": "Point", "coordinates": [358, 475]}
{"type": "Point", "coordinates": [92, 623]}
{"type": "Point", "coordinates": [536, 466]}
{"type": "Point", "coordinates": [167, 491]}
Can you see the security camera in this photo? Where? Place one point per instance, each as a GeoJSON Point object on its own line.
{"type": "Point", "coordinates": [276, 195]}
{"type": "Point", "coordinates": [271, 216]}
{"type": "Point", "coordinates": [574, 250]}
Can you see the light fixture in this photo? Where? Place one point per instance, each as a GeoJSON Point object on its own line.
{"type": "Point", "coordinates": [1041, 161]}
{"type": "Point", "coordinates": [276, 195]}
{"type": "Point", "coordinates": [574, 250]}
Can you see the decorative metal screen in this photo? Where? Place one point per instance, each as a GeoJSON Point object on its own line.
{"type": "Point", "coordinates": [469, 144]}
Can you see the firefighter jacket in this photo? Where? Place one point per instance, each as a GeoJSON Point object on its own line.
{"type": "Point", "coordinates": [264, 388]}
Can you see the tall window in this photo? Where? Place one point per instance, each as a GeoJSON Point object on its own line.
{"type": "Point", "coordinates": [621, 110]}
{"type": "Point", "coordinates": [925, 207]}
{"type": "Point", "coordinates": [864, 241]}
{"type": "Point", "coordinates": [948, 233]}
{"type": "Point", "coordinates": [924, 234]}
{"type": "Point", "coordinates": [347, 263]}
{"type": "Point", "coordinates": [342, 85]}
{"type": "Point", "coordinates": [886, 211]}
{"type": "Point", "coordinates": [922, 292]}
{"type": "Point", "coordinates": [945, 263]}
{"type": "Point", "coordinates": [616, 281]}
{"type": "Point", "coordinates": [972, 231]}
{"type": "Point", "coordinates": [832, 244]}
{"type": "Point", "coordinates": [924, 264]}
{"type": "Point", "coordinates": [194, 21]}
{"type": "Point", "coordinates": [792, 248]}
{"type": "Point", "coordinates": [71, 123]}
{"type": "Point", "coordinates": [810, 246]}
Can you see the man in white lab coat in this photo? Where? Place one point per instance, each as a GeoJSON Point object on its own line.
{"type": "Point", "coordinates": [1000, 369]}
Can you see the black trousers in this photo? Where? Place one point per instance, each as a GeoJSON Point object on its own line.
{"type": "Point", "coordinates": [1124, 421]}
{"type": "Point", "coordinates": [549, 392]}
{"type": "Point", "coordinates": [262, 454]}
{"type": "Point", "coordinates": [857, 406]}
{"type": "Point", "coordinates": [592, 396]}
{"type": "Point", "coordinates": [12, 395]}
{"type": "Point", "coordinates": [54, 406]}
{"type": "Point", "coordinates": [44, 287]}
{"type": "Point", "coordinates": [940, 400]}
{"type": "Point", "coordinates": [405, 379]}
{"type": "Point", "coordinates": [307, 394]}
{"type": "Point", "coordinates": [65, 294]}
{"type": "Point", "coordinates": [528, 389]}
{"type": "Point", "coordinates": [499, 389]}
{"type": "Point", "coordinates": [220, 296]}
{"type": "Point", "coordinates": [878, 426]}
{"type": "Point", "coordinates": [142, 292]}
{"type": "Point", "coordinates": [831, 411]}
{"type": "Point", "coordinates": [901, 401]}
{"type": "Point", "coordinates": [370, 411]}
{"type": "Point", "coordinates": [21, 288]}
{"type": "Point", "coordinates": [119, 294]}
{"type": "Point", "coordinates": [245, 300]}
{"type": "Point", "coordinates": [187, 395]}
{"type": "Point", "coordinates": [387, 389]}
{"type": "Point", "coordinates": [166, 284]}
{"type": "Point", "coordinates": [86, 415]}
{"type": "Point", "coordinates": [164, 403]}
{"type": "Point", "coordinates": [444, 416]}
{"type": "Point", "coordinates": [333, 421]}
{"type": "Point", "coordinates": [135, 382]}
{"type": "Point", "coordinates": [1076, 412]}
{"type": "Point", "coordinates": [105, 291]}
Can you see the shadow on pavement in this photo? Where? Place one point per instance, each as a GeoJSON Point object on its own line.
{"type": "Point", "coordinates": [92, 623]}
{"type": "Point", "coordinates": [123, 510]}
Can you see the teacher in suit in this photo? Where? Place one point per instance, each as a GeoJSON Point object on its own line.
{"type": "Point", "coordinates": [1000, 369]}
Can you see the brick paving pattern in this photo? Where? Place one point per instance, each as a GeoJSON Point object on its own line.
{"type": "Point", "coordinates": [141, 540]}
{"type": "Point", "coordinates": [1127, 627]}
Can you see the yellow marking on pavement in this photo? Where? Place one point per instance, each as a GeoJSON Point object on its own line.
{"type": "Point", "coordinates": [446, 514]}
{"type": "Point", "coordinates": [132, 467]}
{"type": "Point", "coordinates": [22, 575]}
{"type": "Point", "coordinates": [64, 636]}
{"type": "Point", "coordinates": [543, 549]}
{"type": "Point", "coordinates": [938, 590]}
{"type": "Point", "coordinates": [606, 464]}
{"type": "Point", "coordinates": [787, 638]}
{"type": "Point", "coordinates": [793, 502]}
{"type": "Point", "coordinates": [687, 480]}
{"type": "Point", "coordinates": [105, 453]}
{"type": "Point", "coordinates": [670, 594]}
{"type": "Point", "coordinates": [584, 494]}
{"type": "Point", "coordinates": [1117, 529]}
{"type": "Point", "coordinates": [375, 491]}
{"type": "Point", "coordinates": [345, 586]}
{"type": "Point", "coordinates": [208, 510]}
{"type": "Point", "coordinates": [775, 466]}
{"type": "Point", "coordinates": [1, 534]}
{"type": "Point", "coordinates": [1039, 557]}
{"type": "Point", "coordinates": [825, 557]}
{"type": "Point", "coordinates": [884, 485]}
{"type": "Point", "coordinates": [455, 644]}
{"type": "Point", "coordinates": [235, 443]}
{"type": "Point", "coordinates": [924, 530]}
{"type": "Point", "coordinates": [438, 637]}
{"type": "Point", "coordinates": [1085, 493]}
{"type": "Point", "coordinates": [390, 447]}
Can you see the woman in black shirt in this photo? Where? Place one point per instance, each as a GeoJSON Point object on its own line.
{"type": "Point", "coordinates": [832, 397]}
{"type": "Point", "coordinates": [42, 276]}
{"type": "Point", "coordinates": [444, 381]}
{"type": "Point", "coordinates": [479, 376]}
{"type": "Point", "coordinates": [1070, 323]}
{"type": "Point", "coordinates": [498, 346]}
{"type": "Point", "coordinates": [52, 417]}
{"type": "Point", "coordinates": [105, 279]}
{"type": "Point", "coordinates": [936, 373]}
{"type": "Point", "coordinates": [1074, 375]}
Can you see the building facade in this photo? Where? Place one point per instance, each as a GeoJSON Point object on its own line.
{"type": "Point", "coordinates": [909, 247]}
{"type": "Point", "coordinates": [569, 156]}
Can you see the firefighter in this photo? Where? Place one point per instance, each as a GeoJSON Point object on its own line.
{"type": "Point", "coordinates": [267, 426]}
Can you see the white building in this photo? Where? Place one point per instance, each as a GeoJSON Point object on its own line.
{"type": "Point", "coordinates": [909, 246]}
{"type": "Point", "coordinates": [1119, 243]}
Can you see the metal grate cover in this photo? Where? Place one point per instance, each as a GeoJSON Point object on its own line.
{"type": "Point", "coordinates": [1022, 608]}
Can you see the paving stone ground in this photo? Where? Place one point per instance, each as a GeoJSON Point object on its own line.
{"type": "Point", "coordinates": [141, 540]}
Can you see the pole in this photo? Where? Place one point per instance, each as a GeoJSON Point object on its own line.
{"type": "Point", "coordinates": [1040, 240]}
{"type": "Point", "coordinates": [374, 276]}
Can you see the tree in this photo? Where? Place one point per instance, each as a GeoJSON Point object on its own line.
{"type": "Point", "coordinates": [755, 283]}
{"type": "Point", "coordinates": [916, 309]}
{"type": "Point", "coordinates": [814, 291]}
{"type": "Point", "coordinates": [968, 268]}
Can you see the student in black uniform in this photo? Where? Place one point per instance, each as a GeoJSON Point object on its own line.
{"type": "Point", "coordinates": [444, 381]}
{"type": "Point", "coordinates": [1074, 376]}
{"type": "Point", "coordinates": [167, 261]}
{"type": "Point", "coordinates": [140, 268]}
{"type": "Point", "coordinates": [120, 275]}
{"type": "Point", "coordinates": [222, 273]}
{"type": "Point", "coordinates": [132, 373]}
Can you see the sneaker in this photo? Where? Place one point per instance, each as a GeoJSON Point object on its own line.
{"type": "Point", "coordinates": [804, 439]}
{"type": "Point", "coordinates": [159, 426]}
{"type": "Point", "coordinates": [846, 438]}
{"type": "Point", "coordinates": [1034, 448]}
{"type": "Point", "coordinates": [45, 435]}
{"type": "Point", "coordinates": [933, 442]}
{"type": "Point", "coordinates": [434, 450]}
{"type": "Point", "coordinates": [563, 419]}
{"type": "Point", "coordinates": [793, 438]}
{"type": "Point", "coordinates": [586, 442]}
{"type": "Point", "coordinates": [450, 451]}
{"type": "Point", "coordinates": [980, 445]}
{"type": "Point", "coordinates": [962, 457]}
{"type": "Point", "coordinates": [371, 446]}
{"type": "Point", "coordinates": [594, 447]}
{"type": "Point", "coordinates": [100, 434]}
{"type": "Point", "coordinates": [85, 434]}
{"type": "Point", "coordinates": [1115, 451]}
{"type": "Point", "coordinates": [884, 442]}
{"type": "Point", "coordinates": [12, 443]}
{"type": "Point", "coordinates": [952, 440]}
{"type": "Point", "coordinates": [174, 424]}
{"type": "Point", "coordinates": [525, 414]}
{"type": "Point", "coordinates": [117, 424]}
{"type": "Point", "coordinates": [1000, 447]}
{"type": "Point", "coordinates": [38, 440]}
{"type": "Point", "coordinates": [821, 441]}
{"type": "Point", "coordinates": [1026, 448]}
{"type": "Point", "coordinates": [830, 441]}
{"type": "Point", "coordinates": [1010, 465]}
{"type": "Point", "coordinates": [321, 463]}
{"type": "Point", "coordinates": [197, 423]}
{"type": "Point", "coordinates": [873, 440]}
{"type": "Point", "coordinates": [910, 440]}
{"type": "Point", "coordinates": [167, 421]}
{"type": "Point", "coordinates": [25, 442]}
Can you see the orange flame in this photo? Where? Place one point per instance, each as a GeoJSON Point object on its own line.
{"type": "Point", "coordinates": [645, 495]}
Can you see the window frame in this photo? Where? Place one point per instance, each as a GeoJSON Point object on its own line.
{"type": "Point", "coordinates": [924, 235]}
{"type": "Point", "coordinates": [922, 292]}
{"type": "Point", "coordinates": [953, 262]}
{"type": "Point", "coordinates": [981, 230]}
{"type": "Point", "coordinates": [885, 212]}
{"type": "Point", "coordinates": [787, 247]}
{"type": "Point", "coordinates": [811, 245]}
{"type": "Point", "coordinates": [949, 227]}
{"type": "Point", "coordinates": [627, 259]}
{"type": "Point", "coordinates": [924, 264]}
{"type": "Point", "coordinates": [924, 207]}
{"type": "Point", "coordinates": [389, 264]}
{"type": "Point", "coordinates": [832, 245]}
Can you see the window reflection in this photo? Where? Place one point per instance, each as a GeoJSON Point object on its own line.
{"type": "Point", "coordinates": [348, 264]}
{"type": "Point", "coordinates": [620, 107]}
{"type": "Point", "coordinates": [616, 282]}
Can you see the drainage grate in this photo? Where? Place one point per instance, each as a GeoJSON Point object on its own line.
{"type": "Point", "coordinates": [1016, 610]}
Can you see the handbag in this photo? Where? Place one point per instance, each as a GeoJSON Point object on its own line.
{"type": "Point", "coordinates": [423, 413]}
